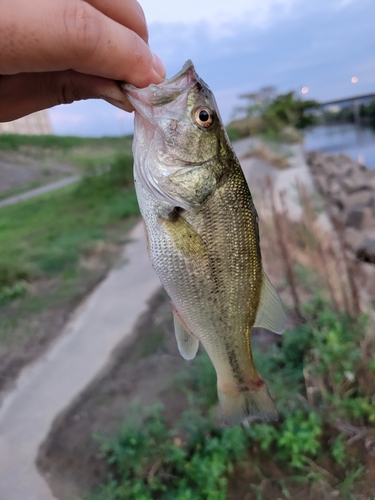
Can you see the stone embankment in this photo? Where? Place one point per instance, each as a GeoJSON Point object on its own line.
{"type": "Point", "coordinates": [348, 189]}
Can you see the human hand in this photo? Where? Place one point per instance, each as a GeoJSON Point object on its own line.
{"type": "Point", "coordinates": [60, 51]}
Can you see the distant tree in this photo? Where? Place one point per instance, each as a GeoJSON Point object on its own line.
{"type": "Point", "coordinates": [368, 111]}
{"type": "Point", "coordinates": [279, 110]}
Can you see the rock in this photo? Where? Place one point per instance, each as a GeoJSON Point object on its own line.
{"type": "Point", "coordinates": [360, 218]}
{"type": "Point", "coordinates": [369, 178]}
{"type": "Point", "coordinates": [335, 189]}
{"type": "Point", "coordinates": [366, 251]}
{"type": "Point", "coordinates": [354, 183]}
{"type": "Point", "coordinates": [321, 183]}
{"type": "Point", "coordinates": [336, 214]}
{"type": "Point", "coordinates": [364, 198]}
{"type": "Point", "coordinates": [354, 238]}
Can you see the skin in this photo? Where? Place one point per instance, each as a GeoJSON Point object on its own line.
{"type": "Point", "coordinates": [60, 51]}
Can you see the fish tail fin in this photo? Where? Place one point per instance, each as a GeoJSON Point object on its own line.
{"type": "Point", "coordinates": [240, 405]}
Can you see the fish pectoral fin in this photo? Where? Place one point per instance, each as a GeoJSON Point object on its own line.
{"type": "Point", "coordinates": [185, 239]}
{"type": "Point", "coordinates": [271, 314]}
{"type": "Point", "coordinates": [186, 342]}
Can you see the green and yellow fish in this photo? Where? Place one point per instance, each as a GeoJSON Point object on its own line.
{"type": "Point", "coordinates": [203, 237]}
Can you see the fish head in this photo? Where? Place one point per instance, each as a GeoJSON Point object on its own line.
{"type": "Point", "coordinates": [177, 137]}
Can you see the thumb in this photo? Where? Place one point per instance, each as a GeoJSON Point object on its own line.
{"type": "Point", "coordinates": [26, 93]}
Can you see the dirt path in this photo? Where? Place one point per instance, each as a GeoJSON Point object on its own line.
{"type": "Point", "coordinates": [48, 386]}
{"type": "Point", "coordinates": [40, 190]}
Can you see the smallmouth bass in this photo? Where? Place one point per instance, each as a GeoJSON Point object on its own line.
{"type": "Point", "coordinates": [203, 237]}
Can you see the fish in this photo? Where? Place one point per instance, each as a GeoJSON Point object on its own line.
{"type": "Point", "coordinates": [203, 236]}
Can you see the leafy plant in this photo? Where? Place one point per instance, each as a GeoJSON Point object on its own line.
{"type": "Point", "coordinates": [308, 372]}
{"type": "Point", "coordinates": [150, 461]}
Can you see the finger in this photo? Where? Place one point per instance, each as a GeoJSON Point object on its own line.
{"type": "Point", "coordinates": [26, 93]}
{"type": "Point", "coordinates": [126, 12]}
{"type": "Point", "coordinates": [77, 36]}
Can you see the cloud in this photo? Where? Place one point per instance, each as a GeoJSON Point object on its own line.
{"type": "Point", "coordinates": [242, 45]}
{"type": "Point", "coordinates": [215, 14]}
{"type": "Point", "coordinates": [318, 45]}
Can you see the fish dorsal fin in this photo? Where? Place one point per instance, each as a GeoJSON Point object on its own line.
{"type": "Point", "coordinates": [186, 342]}
{"type": "Point", "coordinates": [271, 314]}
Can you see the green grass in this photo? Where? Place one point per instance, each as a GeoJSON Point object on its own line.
{"type": "Point", "coordinates": [55, 247]}
{"type": "Point", "coordinates": [15, 142]}
{"type": "Point", "coordinates": [45, 236]}
{"type": "Point", "coordinates": [196, 459]}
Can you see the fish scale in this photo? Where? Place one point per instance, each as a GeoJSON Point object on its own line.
{"type": "Point", "coordinates": [203, 236]}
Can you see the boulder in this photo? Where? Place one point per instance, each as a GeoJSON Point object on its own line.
{"type": "Point", "coordinates": [364, 198]}
{"type": "Point", "coordinates": [354, 183]}
{"type": "Point", "coordinates": [353, 238]}
{"type": "Point", "coordinates": [360, 218]}
{"type": "Point", "coordinates": [369, 178]}
{"type": "Point", "coordinates": [321, 183]}
{"type": "Point", "coordinates": [366, 251]}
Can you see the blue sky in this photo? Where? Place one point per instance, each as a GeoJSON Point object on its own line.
{"type": "Point", "coordinates": [242, 45]}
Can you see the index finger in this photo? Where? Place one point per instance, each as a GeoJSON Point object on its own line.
{"type": "Point", "coordinates": [126, 12]}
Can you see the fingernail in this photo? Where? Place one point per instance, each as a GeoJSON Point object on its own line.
{"type": "Point", "coordinates": [159, 66]}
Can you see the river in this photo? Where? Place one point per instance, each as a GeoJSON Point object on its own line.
{"type": "Point", "coordinates": [358, 142]}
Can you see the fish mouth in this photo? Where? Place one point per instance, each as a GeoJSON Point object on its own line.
{"type": "Point", "coordinates": [162, 93]}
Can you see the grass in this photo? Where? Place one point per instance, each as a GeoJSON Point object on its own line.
{"type": "Point", "coordinates": [320, 374]}
{"type": "Point", "coordinates": [55, 247]}
{"type": "Point", "coordinates": [46, 152]}
{"type": "Point", "coordinates": [48, 234]}
{"type": "Point", "coordinates": [17, 142]}
{"type": "Point", "coordinates": [309, 446]}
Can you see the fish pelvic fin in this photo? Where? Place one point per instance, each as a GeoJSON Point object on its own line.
{"type": "Point", "coordinates": [244, 404]}
{"type": "Point", "coordinates": [187, 344]}
{"type": "Point", "coordinates": [271, 314]}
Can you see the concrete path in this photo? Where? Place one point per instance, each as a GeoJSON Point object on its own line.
{"type": "Point", "coordinates": [40, 190]}
{"type": "Point", "coordinates": [48, 386]}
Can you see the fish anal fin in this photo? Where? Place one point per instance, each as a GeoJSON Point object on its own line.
{"type": "Point", "coordinates": [271, 314]}
{"type": "Point", "coordinates": [186, 342]}
{"type": "Point", "coordinates": [241, 404]}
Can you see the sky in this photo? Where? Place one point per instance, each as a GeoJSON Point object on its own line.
{"type": "Point", "coordinates": [240, 46]}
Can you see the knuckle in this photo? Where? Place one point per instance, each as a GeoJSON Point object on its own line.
{"type": "Point", "coordinates": [83, 28]}
{"type": "Point", "coordinates": [63, 88]}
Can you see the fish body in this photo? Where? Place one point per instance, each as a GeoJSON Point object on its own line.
{"type": "Point", "coordinates": [203, 237]}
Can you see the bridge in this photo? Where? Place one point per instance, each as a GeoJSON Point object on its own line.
{"type": "Point", "coordinates": [336, 105]}
{"type": "Point", "coordinates": [349, 100]}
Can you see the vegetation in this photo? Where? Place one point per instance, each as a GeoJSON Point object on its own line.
{"type": "Point", "coordinates": [367, 112]}
{"type": "Point", "coordinates": [17, 142]}
{"type": "Point", "coordinates": [320, 374]}
{"type": "Point", "coordinates": [274, 115]}
{"type": "Point", "coordinates": [55, 247]}
{"type": "Point", "coordinates": [324, 406]}
{"type": "Point", "coordinates": [47, 235]}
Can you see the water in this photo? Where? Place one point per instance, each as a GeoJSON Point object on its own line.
{"type": "Point", "coordinates": [357, 142]}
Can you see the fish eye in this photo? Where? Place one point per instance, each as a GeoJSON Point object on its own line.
{"type": "Point", "coordinates": [204, 117]}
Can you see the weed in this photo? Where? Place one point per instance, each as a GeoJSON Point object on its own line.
{"type": "Point", "coordinates": [318, 410]}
